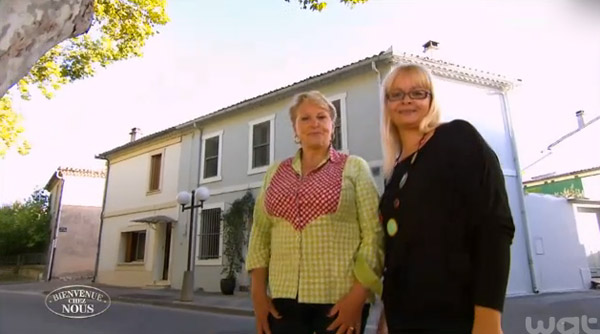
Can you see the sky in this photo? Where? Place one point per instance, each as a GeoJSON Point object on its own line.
{"type": "Point", "coordinates": [216, 53]}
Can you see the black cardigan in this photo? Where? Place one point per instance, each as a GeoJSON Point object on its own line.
{"type": "Point", "coordinates": [452, 247]}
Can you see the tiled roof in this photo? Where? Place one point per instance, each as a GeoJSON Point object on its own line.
{"type": "Point", "coordinates": [274, 94]}
{"type": "Point", "coordinates": [556, 176]}
{"type": "Point", "coordinates": [438, 67]}
{"type": "Point", "coordinates": [69, 171]}
{"type": "Point", "coordinates": [458, 72]}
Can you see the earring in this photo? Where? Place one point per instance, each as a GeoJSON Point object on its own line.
{"type": "Point", "coordinates": [296, 139]}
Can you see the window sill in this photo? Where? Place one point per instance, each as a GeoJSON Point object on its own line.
{"type": "Point", "coordinates": [258, 170]}
{"type": "Point", "coordinates": [153, 192]}
{"type": "Point", "coordinates": [211, 262]}
{"type": "Point", "coordinates": [211, 179]}
{"type": "Point", "coordinates": [132, 263]}
{"type": "Point", "coordinates": [135, 265]}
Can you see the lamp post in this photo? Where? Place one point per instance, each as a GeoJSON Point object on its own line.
{"type": "Point", "coordinates": [184, 198]}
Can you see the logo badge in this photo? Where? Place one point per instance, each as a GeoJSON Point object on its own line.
{"type": "Point", "coordinates": [78, 301]}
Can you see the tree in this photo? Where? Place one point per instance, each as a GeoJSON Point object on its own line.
{"type": "Point", "coordinates": [30, 56]}
{"type": "Point", "coordinates": [318, 5]}
{"type": "Point", "coordinates": [93, 33]}
{"type": "Point", "coordinates": [25, 227]}
{"type": "Point", "coordinates": [234, 232]}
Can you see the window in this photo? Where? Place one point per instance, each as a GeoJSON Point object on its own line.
{"type": "Point", "coordinates": [209, 234]}
{"type": "Point", "coordinates": [337, 130]}
{"type": "Point", "coordinates": [340, 140]}
{"type": "Point", "coordinates": [155, 169]}
{"type": "Point", "coordinates": [211, 157]}
{"type": "Point", "coordinates": [135, 246]}
{"type": "Point", "coordinates": [261, 145]}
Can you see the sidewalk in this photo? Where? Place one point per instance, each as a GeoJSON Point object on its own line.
{"type": "Point", "coordinates": [517, 309]}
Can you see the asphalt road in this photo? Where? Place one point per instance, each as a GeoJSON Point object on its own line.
{"type": "Point", "coordinates": [24, 313]}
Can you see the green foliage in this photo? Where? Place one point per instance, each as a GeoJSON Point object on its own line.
{"type": "Point", "coordinates": [11, 128]}
{"type": "Point", "coordinates": [25, 227]}
{"type": "Point", "coordinates": [319, 5]}
{"type": "Point", "coordinates": [120, 29]}
{"type": "Point", "coordinates": [234, 232]}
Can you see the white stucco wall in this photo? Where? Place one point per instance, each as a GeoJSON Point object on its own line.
{"type": "Point", "coordinates": [588, 229]}
{"type": "Point", "coordinates": [558, 253]}
{"type": "Point", "coordinates": [591, 187]}
{"type": "Point", "coordinates": [127, 199]}
{"type": "Point", "coordinates": [111, 268]}
{"type": "Point", "coordinates": [129, 181]}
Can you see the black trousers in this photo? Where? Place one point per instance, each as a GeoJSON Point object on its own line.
{"type": "Point", "coordinates": [300, 318]}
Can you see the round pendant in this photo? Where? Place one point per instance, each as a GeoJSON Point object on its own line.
{"type": "Point", "coordinates": [396, 203]}
{"type": "Point", "coordinates": [403, 180]}
{"type": "Point", "coordinates": [392, 227]}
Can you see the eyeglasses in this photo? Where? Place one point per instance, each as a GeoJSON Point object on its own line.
{"type": "Point", "coordinates": [417, 94]}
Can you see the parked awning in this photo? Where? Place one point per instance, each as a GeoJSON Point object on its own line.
{"type": "Point", "coordinates": [155, 219]}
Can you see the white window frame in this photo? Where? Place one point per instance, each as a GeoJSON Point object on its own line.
{"type": "Point", "coordinates": [251, 124]}
{"type": "Point", "coordinates": [209, 262]}
{"type": "Point", "coordinates": [204, 139]}
{"type": "Point", "coordinates": [343, 119]}
{"type": "Point", "coordinates": [123, 250]}
{"type": "Point", "coordinates": [162, 152]}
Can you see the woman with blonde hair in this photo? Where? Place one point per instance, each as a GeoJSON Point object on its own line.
{"type": "Point", "coordinates": [445, 212]}
{"type": "Point", "coordinates": [316, 241]}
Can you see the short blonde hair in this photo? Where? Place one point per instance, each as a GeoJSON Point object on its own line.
{"type": "Point", "coordinates": [314, 97]}
{"type": "Point", "coordinates": [390, 141]}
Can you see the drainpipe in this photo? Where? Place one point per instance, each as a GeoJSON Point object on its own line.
{"type": "Point", "coordinates": [195, 181]}
{"type": "Point", "coordinates": [61, 185]}
{"type": "Point", "coordinates": [196, 185]}
{"type": "Point", "coordinates": [374, 67]}
{"type": "Point", "coordinates": [526, 230]}
{"type": "Point", "coordinates": [101, 220]}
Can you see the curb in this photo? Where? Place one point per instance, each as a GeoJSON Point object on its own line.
{"type": "Point", "coordinates": [180, 305]}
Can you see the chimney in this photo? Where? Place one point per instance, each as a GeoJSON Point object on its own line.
{"type": "Point", "coordinates": [580, 121]}
{"type": "Point", "coordinates": [134, 133]}
{"type": "Point", "coordinates": [430, 47]}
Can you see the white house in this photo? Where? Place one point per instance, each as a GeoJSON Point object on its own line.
{"type": "Point", "coordinates": [75, 203]}
{"type": "Point", "coordinates": [228, 151]}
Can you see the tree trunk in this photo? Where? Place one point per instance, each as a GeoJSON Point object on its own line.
{"type": "Point", "coordinates": [29, 28]}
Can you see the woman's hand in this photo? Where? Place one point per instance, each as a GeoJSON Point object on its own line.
{"type": "Point", "coordinates": [263, 306]}
{"type": "Point", "coordinates": [349, 311]}
{"type": "Point", "coordinates": [487, 321]}
{"type": "Point", "coordinates": [382, 324]}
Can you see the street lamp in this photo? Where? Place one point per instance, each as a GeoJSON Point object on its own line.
{"type": "Point", "coordinates": [184, 198]}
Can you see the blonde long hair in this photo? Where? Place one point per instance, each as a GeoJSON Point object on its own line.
{"type": "Point", "coordinates": [390, 140]}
